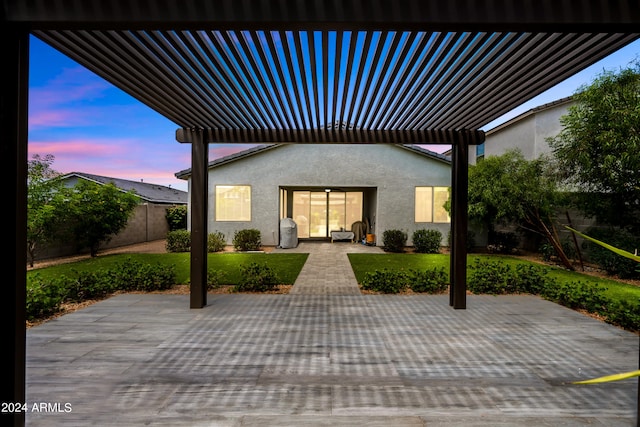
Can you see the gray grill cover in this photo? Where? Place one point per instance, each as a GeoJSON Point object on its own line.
{"type": "Point", "coordinates": [288, 233]}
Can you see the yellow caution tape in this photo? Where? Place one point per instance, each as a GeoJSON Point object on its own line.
{"type": "Point", "coordinates": [609, 378]}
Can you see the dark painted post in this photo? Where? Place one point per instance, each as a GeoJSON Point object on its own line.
{"type": "Point", "coordinates": [459, 203]}
{"type": "Point", "coordinates": [14, 94]}
{"type": "Point", "coordinates": [199, 208]}
{"type": "Point", "coordinates": [452, 237]}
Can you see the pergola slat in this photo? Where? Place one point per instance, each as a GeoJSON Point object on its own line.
{"type": "Point", "coordinates": [254, 79]}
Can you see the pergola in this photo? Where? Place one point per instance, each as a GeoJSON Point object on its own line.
{"type": "Point", "coordinates": [374, 71]}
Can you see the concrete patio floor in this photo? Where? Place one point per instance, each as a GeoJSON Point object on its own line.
{"type": "Point", "coordinates": [328, 360]}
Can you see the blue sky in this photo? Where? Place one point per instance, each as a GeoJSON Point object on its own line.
{"type": "Point", "coordinates": [91, 126]}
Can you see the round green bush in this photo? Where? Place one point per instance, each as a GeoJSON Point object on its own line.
{"type": "Point", "coordinates": [247, 240]}
{"type": "Point", "coordinates": [216, 242]}
{"type": "Point", "coordinates": [427, 241]}
{"type": "Point", "coordinates": [394, 240]}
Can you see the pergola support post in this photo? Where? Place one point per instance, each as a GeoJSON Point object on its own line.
{"type": "Point", "coordinates": [199, 208]}
{"type": "Point", "coordinates": [13, 154]}
{"type": "Point", "coordinates": [459, 222]}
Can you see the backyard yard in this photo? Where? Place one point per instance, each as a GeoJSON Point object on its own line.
{"type": "Point", "coordinates": [287, 266]}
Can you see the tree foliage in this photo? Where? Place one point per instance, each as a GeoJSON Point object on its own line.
{"type": "Point", "coordinates": [98, 212]}
{"type": "Point", "coordinates": [510, 189]}
{"type": "Point", "coordinates": [176, 217]}
{"type": "Point", "coordinates": [43, 214]}
{"type": "Point", "coordinates": [598, 149]}
{"type": "Point", "coordinates": [87, 214]}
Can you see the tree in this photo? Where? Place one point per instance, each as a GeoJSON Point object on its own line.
{"type": "Point", "coordinates": [98, 212]}
{"type": "Point", "coordinates": [598, 149]}
{"type": "Point", "coordinates": [510, 189]}
{"type": "Point", "coordinates": [44, 215]}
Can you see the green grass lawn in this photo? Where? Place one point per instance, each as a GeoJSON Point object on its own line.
{"type": "Point", "coordinates": [362, 263]}
{"type": "Point", "coordinates": [286, 266]}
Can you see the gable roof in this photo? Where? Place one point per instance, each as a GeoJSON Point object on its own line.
{"type": "Point", "coordinates": [148, 192]}
{"type": "Point", "coordinates": [186, 173]}
{"type": "Point", "coordinates": [531, 112]}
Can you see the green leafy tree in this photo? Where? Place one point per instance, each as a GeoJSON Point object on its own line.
{"type": "Point", "coordinates": [44, 214]}
{"type": "Point", "coordinates": [97, 212]}
{"type": "Point", "coordinates": [598, 149]}
{"type": "Point", "coordinates": [510, 189]}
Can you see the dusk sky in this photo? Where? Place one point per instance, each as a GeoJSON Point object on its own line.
{"type": "Point", "coordinates": [90, 126]}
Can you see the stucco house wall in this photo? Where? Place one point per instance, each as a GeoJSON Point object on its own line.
{"type": "Point", "coordinates": [388, 173]}
{"type": "Point", "coordinates": [527, 132]}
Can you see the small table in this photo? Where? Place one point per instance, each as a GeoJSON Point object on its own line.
{"type": "Point", "coordinates": [342, 235]}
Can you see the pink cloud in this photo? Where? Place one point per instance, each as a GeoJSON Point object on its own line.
{"type": "Point", "coordinates": [56, 118]}
{"type": "Point", "coordinates": [78, 148]}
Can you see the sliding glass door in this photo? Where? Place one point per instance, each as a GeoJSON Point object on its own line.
{"type": "Point", "coordinates": [317, 213]}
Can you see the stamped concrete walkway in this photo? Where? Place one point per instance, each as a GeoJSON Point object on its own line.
{"type": "Point", "coordinates": [327, 270]}
{"type": "Point", "coordinates": [327, 360]}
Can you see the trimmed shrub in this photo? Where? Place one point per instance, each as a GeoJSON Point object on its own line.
{"type": "Point", "coordinates": [87, 285]}
{"type": "Point", "coordinates": [176, 217]}
{"type": "Point", "coordinates": [496, 277]}
{"type": "Point", "coordinates": [43, 298]}
{"type": "Point", "coordinates": [432, 281]}
{"type": "Point", "coordinates": [625, 314]}
{"type": "Point", "coordinates": [427, 241]}
{"type": "Point", "coordinates": [491, 277]}
{"type": "Point", "coordinates": [178, 241]}
{"type": "Point", "coordinates": [257, 278]}
{"type": "Point", "coordinates": [215, 242]}
{"type": "Point", "coordinates": [247, 240]}
{"type": "Point", "coordinates": [578, 295]}
{"type": "Point", "coordinates": [131, 275]}
{"type": "Point", "coordinates": [531, 279]}
{"type": "Point", "coordinates": [394, 240]}
{"type": "Point", "coordinates": [215, 279]}
{"type": "Point", "coordinates": [385, 281]}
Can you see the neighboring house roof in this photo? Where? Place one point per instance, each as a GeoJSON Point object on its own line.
{"type": "Point", "coordinates": [153, 193]}
{"type": "Point", "coordinates": [185, 174]}
{"type": "Point", "coordinates": [530, 112]}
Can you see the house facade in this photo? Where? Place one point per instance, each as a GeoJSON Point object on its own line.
{"type": "Point", "coordinates": [527, 132]}
{"type": "Point", "coordinates": [328, 188]}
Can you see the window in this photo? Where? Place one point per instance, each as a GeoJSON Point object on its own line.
{"type": "Point", "coordinates": [479, 152]}
{"type": "Point", "coordinates": [429, 204]}
{"type": "Point", "coordinates": [233, 203]}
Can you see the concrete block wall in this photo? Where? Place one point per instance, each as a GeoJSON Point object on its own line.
{"type": "Point", "coordinates": [147, 223]}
